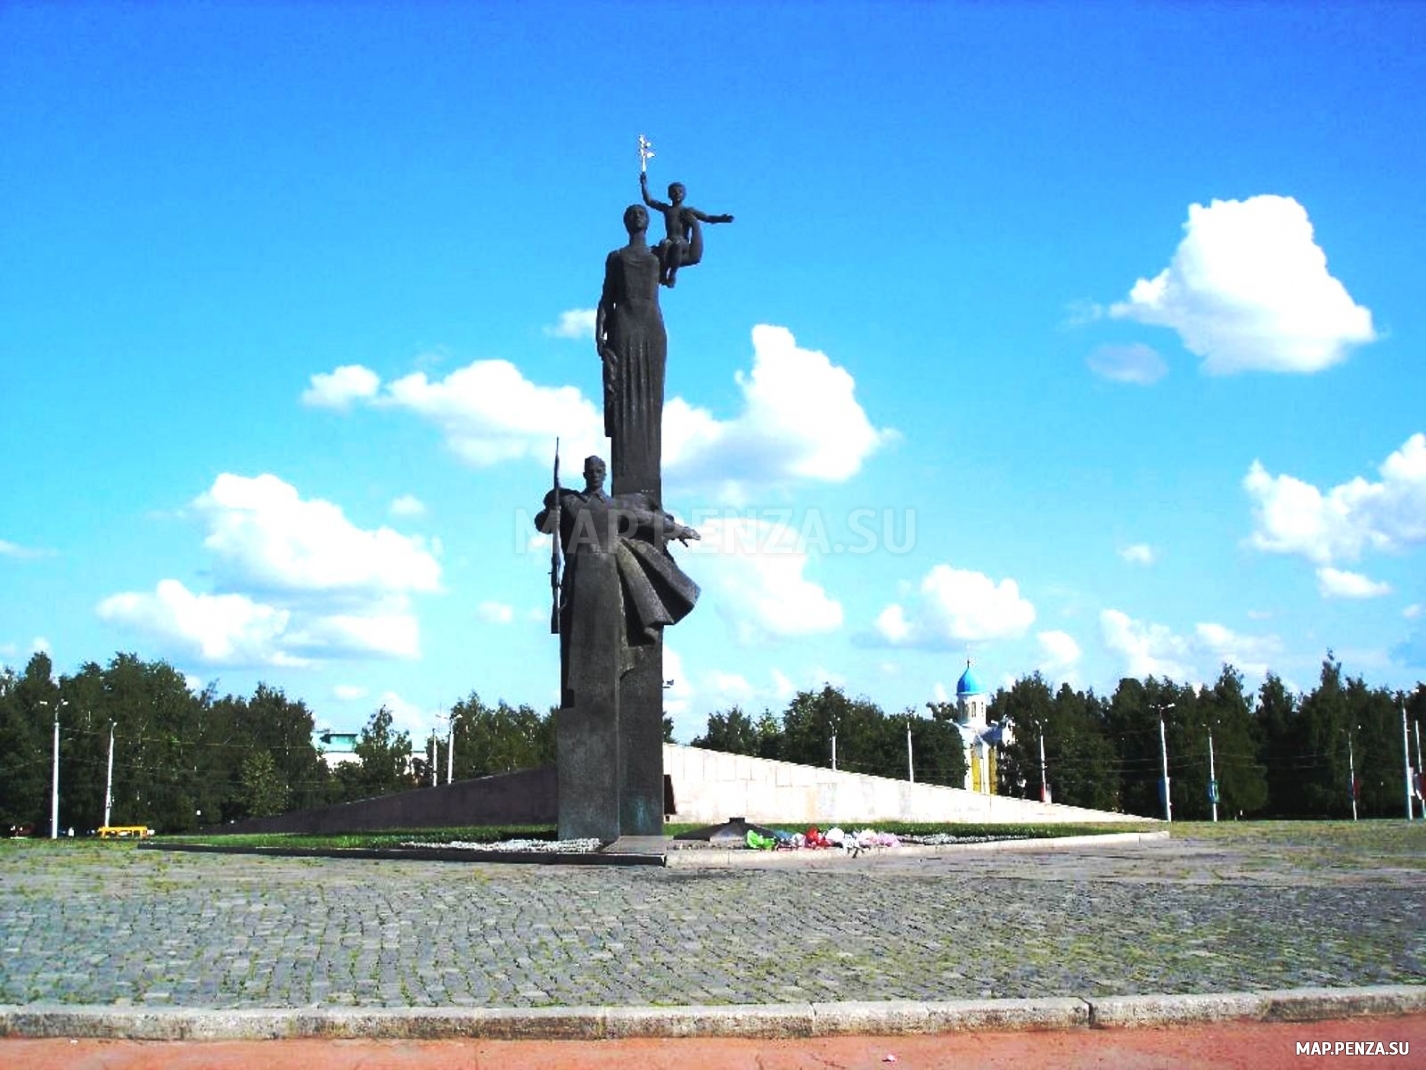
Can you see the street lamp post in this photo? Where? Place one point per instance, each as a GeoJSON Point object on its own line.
{"type": "Point", "coordinates": [1406, 753]}
{"type": "Point", "coordinates": [1164, 751]}
{"type": "Point", "coordinates": [109, 779]}
{"type": "Point", "coordinates": [1352, 775]}
{"type": "Point", "coordinates": [1419, 787]}
{"type": "Point", "coordinates": [54, 777]}
{"type": "Point", "coordinates": [1044, 779]}
{"type": "Point", "coordinates": [1212, 777]}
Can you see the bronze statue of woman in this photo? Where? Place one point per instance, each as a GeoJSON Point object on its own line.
{"type": "Point", "coordinates": [629, 334]}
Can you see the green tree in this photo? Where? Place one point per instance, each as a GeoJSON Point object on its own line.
{"type": "Point", "coordinates": [383, 763]}
{"type": "Point", "coordinates": [1224, 711]}
{"type": "Point", "coordinates": [1416, 718]}
{"type": "Point", "coordinates": [158, 766]}
{"type": "Point", "coordinates": [769, 730]}
{"type": "Point", "coordinates": [1325, 739]}
{"type": "Point", "coordinates": [1085, 756]}
{"type": "Point", "coordinates": [1028, 708]}
{"type": "Point", "coordinates": [1275, 733]}
{"type": "Point", "coordinates": [232, 728]}
{"type": "Point", "coordinates": [814, 717]}
{"type": "Point", "coordinates": [1381, 765]}
{"type": "Point", "coordinates": [732, 732]}
{"type": "Point", "coordinates": [500, 738]}
{"type": "Point", "coordinates": [264, 792]}
{"type": "Point", "coordinates": [1080, 759]}
{"type": "Point", "coordinates": [1132, 722]}
{"type": "Point", "coordinates": [937, 750]}
{"type": "Point", "coordinates": [24, 744]}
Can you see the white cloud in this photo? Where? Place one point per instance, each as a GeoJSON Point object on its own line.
{"type": "Point", "coordinates": [496, 612]}
{"type": "Point", "coordinates": [1140, 553]}
{"type": "Point", "coordinates": [756, 569]}
{"type": "Point", "coordinates": [1251, 654]}
{"type": "Point", "coordinates": [299, 582]}
{"type": "Point", "coordinates": [1292, 516]}
{"type": "Point", "coordinates": [409, 717]}
{"type": "Point", "coordinates": [1337, 583]}
{"type": "Point", "coordinates": [349, 692]}
{"type": "Point", "coordinates": [489, 412]}
{"type": "Point", "coordinates": [955, 606]}
{"type": "Point", "coordinates": [783, 689]}
{"type": "Point", "coordinates": [233, 629]}
{"type": "Point", "coordinates": [337, 389]}
{"type": "Point", "coordinates": [576, 323]}
{"type": "Point", "coordinates": [1060, 653]}
{"type": "Point", "coordinates": [383, 628]}
{"type": "Point", "coordinates": [678, 696]}
{"type": "Point", "coordinates": [800, 420]}
{"type": "Point", "coordinates": [21, 553]}
{"type": "Point", "coordinates": [1248, 290]}
{"type": "Point", "coordinates": [1137, 363]}
{"type": "Point", "coordinates": [40, 645]}
{"type": "Point", "coordinates": [1147, 649]}
{"type": "Point", "coordinates": [408, 505]}
{"type": "Point", "coordinates": [263, 534]}
{"type": "Point", "coordinates": [225, 629]}
{"type": "Point", "coordinates": [1412, 611]}
{"type": "Point", "coordinates": [729, 688]}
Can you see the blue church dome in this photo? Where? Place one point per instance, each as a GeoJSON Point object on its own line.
{"type": "Point", "coordinates": [969, 683]}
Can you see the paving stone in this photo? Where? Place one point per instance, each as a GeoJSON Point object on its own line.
{"type": "Point", "coordinates": [84, 924]}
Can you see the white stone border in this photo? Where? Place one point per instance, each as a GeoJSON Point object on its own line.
{"type": "Point", "coordinates": [746, 858]}
{"type": "Point", "coordinates": [790, 1020]}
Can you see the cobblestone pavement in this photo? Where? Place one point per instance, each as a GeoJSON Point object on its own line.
{"type": "Point", "coordinates": [1211, 910]}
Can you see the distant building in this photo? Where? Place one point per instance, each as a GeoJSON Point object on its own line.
{"type": "Point", "coordinates": [981, 739]}
{"type": "Point", "coordinates": [336, 748]}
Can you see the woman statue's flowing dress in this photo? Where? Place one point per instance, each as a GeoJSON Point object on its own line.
{"type": "Point", "coordinates": [634, 357]}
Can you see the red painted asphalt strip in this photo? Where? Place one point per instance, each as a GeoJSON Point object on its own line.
{"type": "Point", "coordinates": [1220, 1045]}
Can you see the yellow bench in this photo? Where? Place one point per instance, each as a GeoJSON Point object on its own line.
{"type": "Point", "coordinates": [124, 830]}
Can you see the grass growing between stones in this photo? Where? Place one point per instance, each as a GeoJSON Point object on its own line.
{"type": "Point", "coordinates": [1233, 907]}
{"type": "Point", "coordinates": [1322, 846]}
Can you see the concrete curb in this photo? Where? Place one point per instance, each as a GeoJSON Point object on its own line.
{"type": "Point", "coordinates": [762, 1021]}
{"type": "Point", "coordinates": [1291, 1005]}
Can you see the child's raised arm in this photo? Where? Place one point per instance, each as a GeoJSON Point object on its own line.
{"type": "Point", "coordinates": [644, 189]}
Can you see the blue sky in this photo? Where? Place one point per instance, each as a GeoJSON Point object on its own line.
{"type": "Point", "coordinates": [1084, 339]}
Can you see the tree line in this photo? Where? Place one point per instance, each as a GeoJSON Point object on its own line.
{"type": "Point", "coordinates": [1275, 753]}
{"type": "Point", "coordinates": [184, 759]}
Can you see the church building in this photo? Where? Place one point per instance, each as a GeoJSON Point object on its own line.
{"type": "Point", "coordinates": [980, 738]}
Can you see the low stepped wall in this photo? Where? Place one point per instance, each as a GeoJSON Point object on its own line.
{"type": "Point", "coordinates": [526, 797]}
{"type": "Point", "coordinates": [710, 787]}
